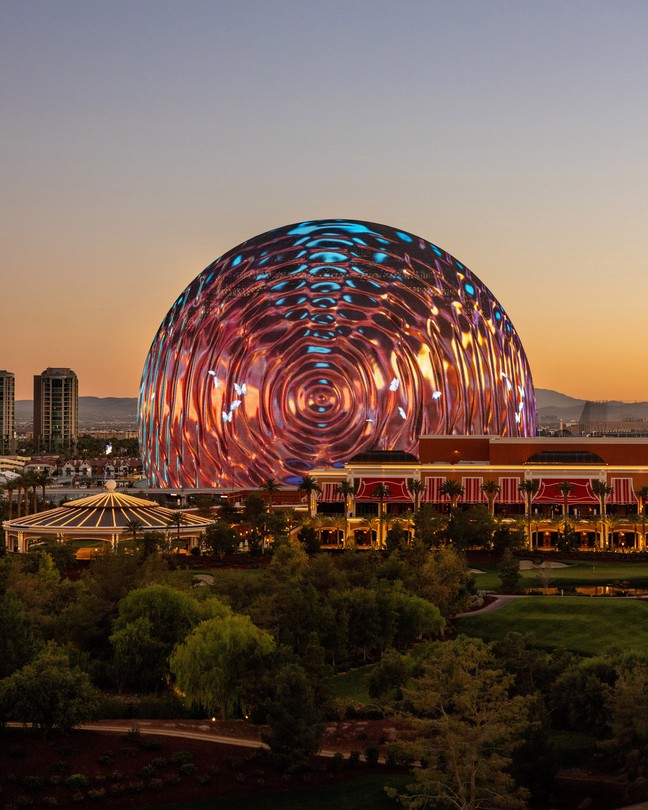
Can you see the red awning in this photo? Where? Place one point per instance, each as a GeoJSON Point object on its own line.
{"type": "Point", "coordinates": [581, 491]}
{"type": "Point", "coordinates": [472, 490]}
{"type": "Point", "coordinates": [509, 490]}
{"type": "Point", "coordinates": [622, 491]}
{"type": "Point", "coordinates": [397, 487]}
{"type": "Point", "coordinates": [329, 494]}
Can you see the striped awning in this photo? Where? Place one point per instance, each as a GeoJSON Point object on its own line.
{"type": "Point", "coordinates": [509, 490]}
{"type": "Point", "coordinates": [622, 492]}
{"type": "Point", "coordinates": [472, 490]}
{"type": "Point", "coordinates": [329, 493]}
{"type": "Point", "coordinates": [432, 493]}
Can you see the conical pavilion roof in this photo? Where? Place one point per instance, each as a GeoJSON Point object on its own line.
{"type": "Point", "coordinates": [108, 510]}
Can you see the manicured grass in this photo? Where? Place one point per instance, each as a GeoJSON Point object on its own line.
{"type": "Point", "coordinates": [365, 791]}
{"type": "Point", "coordinates": [588, 625]}
{"type": "Point", "coordinates": [352, 685]}
{"type": "Point", "coordinates": [587, 572]}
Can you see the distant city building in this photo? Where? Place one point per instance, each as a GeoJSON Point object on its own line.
{"type": "Point", "coordinates": [56, 410]}
{"type": "Point", "coordinates": [614, 419]}
{"type": "Point", "coordinates": [7, 414]}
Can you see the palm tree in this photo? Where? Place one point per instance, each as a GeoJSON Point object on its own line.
{"type": "Point", "coordinates": [642, 497]}
{"type": "Point", "coordinates": [614, 524]}
{"type": "Point", "coordinates": [134, 525]}
{"type": "Point", "coordinates": [176, 520]}
{"type": "Point", "coordinates": [416, 488]}
{"type": "Point", "coordinates": [491, 490]}
{"type": "Point", "coordinates": [348, 491]}
{"type": "Point", "coordinates": [270, 486]}
{"type": "Point", "coordinates": [381, 492]}
{"type": "Point", "coordinates": [453, 489]}
{"type": "Point", "coordinates": [601, 489]}
{"type": "Point", "coordinates": [43, 480]}
{"type": "Point", "coordinates": [339, 523]}
{"type": "Point", "coordinates": [565, 488]}
{"type": "Point", "coordinates": [529, 489]}
{"type": "Point", "coordinates": [10, 486]}
{"type": "Point", "coordinates": [310, 486]}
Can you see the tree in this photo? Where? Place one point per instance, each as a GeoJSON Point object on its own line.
{"type": "Point", "coordinates": [134, 526]}
{"type": "Point", "coordinates": [221, 539]}
{"type": "Point", "coordinates": [270, 486]}
{"type": "Point", "coordinates": [151, 622]}
{"type": "Point", "coordinates": [446, 581]}
{"type": "Point", "coordinates": [602, 490]}
{"type": "Point", "coordinates": [453, 489]}
{"type": "Point", "coordinates": [491, 490]}
{"type": "Point", "coordinates": [642, 497]}
{"type": "Point", "coordinates": [43, 479]}
{"type": "Point", "coordinates": [348, 492]}
{"type": "Point", "coordinates": [294, 718]}
{"type": "Point", "coordinates": [464, 730]}
{"type": "Point", "coordinates": [429, 526]}
{"type": "Point", "coordinates": [529, 489]}
{"type": "Point", "coordinates": [509, 572]}
{"type": "Point", "coordinates": [18, 640]}
{"type": "Point", "coordinates": [416, 488]}
{"type": "Point", "coordinates": [176, 521]}
{"type": "Point", "coordinates": [212, 666]}
{"type": "Point", "coordinates": [381, 492]}
{"type": "Point", "coordinates": [627, 705]}
{"type": "Point", "coordinates": [309, 486]}
{"type": "Point", "coordinates": [565, 488]}
{"type": "Point", "coordinates": [48, 692]}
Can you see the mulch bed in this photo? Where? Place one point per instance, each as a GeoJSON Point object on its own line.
{"type": "Point", "coordinates": [117, 770]}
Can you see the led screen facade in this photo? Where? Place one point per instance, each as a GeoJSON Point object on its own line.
{"type": "Point", "coordinates": [316, 341]}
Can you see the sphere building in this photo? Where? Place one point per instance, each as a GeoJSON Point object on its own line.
{"type": "Point", "coordinates": [313, 342]}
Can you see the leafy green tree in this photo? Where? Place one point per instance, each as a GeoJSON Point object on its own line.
{"type": "Point", "coordinates": [429, 526]}
{"type": "Point", "coordinates": [295, 719]}
{"type": "Point", "coordinates": [150, 623]}
{"type": "Point", "coordinates": [212, 666]}
{"type": "Point", "coordinates": [508, 570]}
{"type": "Point", "coordinates": [446, 581]}
{"type": "Point", "coordinates": [389, 676]}
{"type": "Point", "coordinates": [18, 639]}
{"type": "Point", "coordinates": [48, 692]}
{"type": "Point", "coordinates": [471, 528]}
{"type": "Point", "coordinates": [578, 699]}
{"type": "Point", "coordinates": [464, 730]}
{"type": "Point", "coordinates": [307, 535]}
{"type": "Point", "coordinates": [627, 705]}
{"type": "Point", "coordinates": [221, 539]}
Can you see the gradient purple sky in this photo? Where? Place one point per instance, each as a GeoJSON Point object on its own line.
{"type": "Point", "coordinates": [141, 139]}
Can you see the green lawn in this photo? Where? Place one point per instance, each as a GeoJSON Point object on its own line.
{"type": "Point", "coordinates": [365, 791]}
{"type": "Point", "coordinates": [587, 572]}
{"type": "Point", "coordinates": [351, 686]}
{"type": "Point", "coordinates": [589, 625]}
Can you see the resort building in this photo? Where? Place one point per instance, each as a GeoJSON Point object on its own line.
{"type": "Point", "coordinates": [597, 485]}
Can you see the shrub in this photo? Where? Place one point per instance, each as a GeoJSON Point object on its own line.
{"type": "Point", "coordinates": [77, 780]}
{"type": "Point", "coordinates": [354, 757]}
{"type": "Point", "coordinates": [61, 766]}
{"type": "Point", "coordinates": [181, 758]}
{"type": "Point", "coordinates": [337, 760]}
{"type": "Point", "coordinates": [371, 755]}
{"type": "Point", "coordinates": [96, 794]}
{"type": "Point", "coordinates": [156, 784]}
{"type": "Point", "coordinates": [32, 782]}
{"type": "Point", "coordinates": [105, 759]}
{"type": "Point", "coordinates": [49, 801]}
{"type": "Point", "coordinates": [187, 768]}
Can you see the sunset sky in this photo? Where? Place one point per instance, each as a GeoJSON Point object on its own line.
{"type": "Point", "coordinates": [141, 139]}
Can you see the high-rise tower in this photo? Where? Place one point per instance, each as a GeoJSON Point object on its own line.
{"type": "Point", "coordinates": [56, 410]}
{"type": "Point", "coordinates": [7, 414]}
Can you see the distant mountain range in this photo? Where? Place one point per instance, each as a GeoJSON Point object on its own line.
{"type": "Point", "coordinates": [122, 411]}
{"type": "Point", "coordinates": [93, 412]}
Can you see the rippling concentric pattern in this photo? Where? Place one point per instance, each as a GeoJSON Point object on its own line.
{"type": "Point", "coordinates": [316, 341]}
